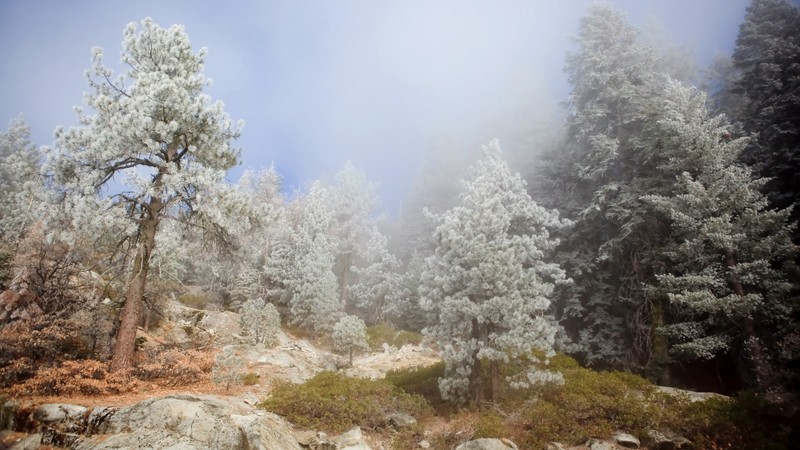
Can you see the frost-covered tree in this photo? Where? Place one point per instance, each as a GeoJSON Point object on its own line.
{"type": "Point", "coordinates": [597, 180]}
{"type": "Point", "coordinates": [150, 147]}
{"type": "Point", "coordinates": [304, 263]}
{"type": "Point", "coordinates": [19, 177]}
{"type": "Point", "coordinates": [260, 321]}
{"type": "Point", "coordinates": [488, 282]}
{"type": "Point", "coordinates": [767, 58]}
{"type": "Point", "coordinates": [726, 277]}
{"type": "Point", "coordinates": [352, 200]}
{"type": "Point", "coordinates": [405, 311]}
{"type": "Point", "coordinates": [350, 335]}
{"type": "Point", "coordinates": [228, 368]}
{"type": "Point", "coordinates": [378, 279]}
{"type": "Point", "coordinates": [246, 266]}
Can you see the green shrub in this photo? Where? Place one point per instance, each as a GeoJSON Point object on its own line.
{"type": "Point", "coordinates": [744, 421]}
{"type": "Point", "coordinates": [5, 268]}
{"type": "Point", "coordinates": [335, 402]}
{"type": "Point", "coordinates": [382, 333]}
{"type": "Point", "coordinates": [422, 381]}
{"type": "Point", "coordinates": [250, 379]}
{"type": "Point", "coordinates": [490, 424]}
{"type": "Point", "coordinates": [196, 301]}
{"type": "Point", "coordinates": [407, 337]}
{"type": "Point", "coordinates": [592, 404]}
{"type": "Point", "coordinates": [589, 404]}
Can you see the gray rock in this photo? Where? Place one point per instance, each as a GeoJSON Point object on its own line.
{"type": "Point", "coordinates": [554, 446]}
{"type": "Point", "coordinates": [626, 440]}
{"type": "Point", "coordinates": [401, 420]}
{"type": "Point", "coordinates": [189, 421]}
{"type": "Point", "coordinates": [8, 411]}
{"type": "Point", "coordinates": [58, 413]}
{"type": "Point", "coordinates": [488, 444]}
{"type": "Point", "coordinates": [667, 440]}
{"type": "Point", "coordinates": [424, 444]}
{"type": "Point", "coordinates": [691, 395]}
{"type": "Point", "coordinates": [223, 326]}
{"type": "Point", "coordinates": [305, 437]}
{"type": "Point", "coordinates": [596, 444]}
{"type": "Point", "coordinates": [351, 440]}
{"type": "Point", "coordinates": [97, 417]}
{"type": "Point", "coordinates": [28, 442]}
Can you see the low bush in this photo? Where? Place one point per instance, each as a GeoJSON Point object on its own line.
{"type": "Point", "coordinates": [228, 368]}
{"type": "Point", "coordinates": [29, 345]}
{"type": "Point", "coordinates": [744, 421]}
{"type": "Point", "coordinates": [422, 381]}
{"type": "Point", "coordinates": [250, 379]}
{"type": "Point", "coordinates": [382, 333]}
{"type": "Point", "coordinates": [174, 367]}
{"type": "Point", "coordinates": [594, 404]}
{"type": "Point", "coordinates": [196, 301]}
{"type": "Point", "coordinates": [334, 402]}
{"type": "Point", "coordinates": [88, 377]}
{"type": "Point", "coordinates": [589, 404]}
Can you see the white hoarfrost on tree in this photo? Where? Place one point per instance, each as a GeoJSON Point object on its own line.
{"type": "Point", "coordinates": [353, 198]}
{"type": "Point", "coordinates": [20, 184]}
{"type": "Point", "coordinates": [304, 264]}
{"type": "Point", "coordinates": [488, 281]}
{"type": "Point", "coordinates": [350, 335]}
{"type": "Point", "coordinates": [260, 321]}
{"type": "Point", "coordinates": [727, 284]}
{"type": "Point", "coordinates": [150, 147]}
{"type": "Point", "coordinates": [228, 368]}
{"type": "Point", "coordinates": [378, 279]}
{"type": "Point", "coordinates": [404, 311]}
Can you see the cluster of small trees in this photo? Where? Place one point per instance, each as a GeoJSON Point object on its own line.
{"type": "Point", "coordinates": [664, 231]}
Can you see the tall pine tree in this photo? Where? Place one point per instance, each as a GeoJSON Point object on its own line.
{"type": "Point", "coordinates": [488, 282]}
{"type": "Point", "coordinates": [598, 179]}
{"type": "Point", "coordinates": [767, 58]}
{"type": "Point", "coordinates": [729, 254]}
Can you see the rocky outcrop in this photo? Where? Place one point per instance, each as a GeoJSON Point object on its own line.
{"type": "Point", "coordinates": [626, 440]}
{"type": "Point", "coordinates": [180, 421]}
{"type": "Point", "coordinates": [691, 395]}
{"type": "Point", "coordinates": [196, 328]}
{"type": "Point", "coordinates": [488, 444]}
{"type": "Point", "coordinates": [667, 440]}
{"type": "Point", "coordinates": [190, 421]}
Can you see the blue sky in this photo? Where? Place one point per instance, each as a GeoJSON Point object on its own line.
{"type": "Point", "coordinates": [322, 82]}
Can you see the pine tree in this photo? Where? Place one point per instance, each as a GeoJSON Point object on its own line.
{"type": "Point", "coordinates": [22, 187]}
{"type": "Point", "coordinates": [405, 311]}
{"type": "Point", "coordinates": [727, 262]}
{"type": "Point", "coordinates": [153, 132]}
{"type": "Point", "coordinates": [597, 180]}
{"type": "Point", "coordinates": [767, 57]}
{"type": "Point", "coordinates": [306, 265]}
{"type": "Point", "coordinates": [349, 336]}
{"type": "Point", "coordinates": [352, 200]}
{"type": "Point", "coordinates": [488, 283]}
{"type": "Point", "coordinates": [378, 279]}
{"type": "Point", "coordinates": [260, 321]}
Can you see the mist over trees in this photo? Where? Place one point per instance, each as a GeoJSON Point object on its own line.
{"type": "Point", "coordinates": [650, 227]}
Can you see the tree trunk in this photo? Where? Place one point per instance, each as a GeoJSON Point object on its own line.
{"type": "Point", "coordinates": [345, 280]}
{"type": "Point", "coordinates": [351, 357]}
{"type": "Point", "coordinates": [660, 358]}
{"type": "Point", "coordinates": [752, 348]}
{"type": "Point", "coordinates": [494, 381]}
{"type": "Point", "coordinates": [129, 318]}
{"type": "Point", "coordinates": [475, 376]}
